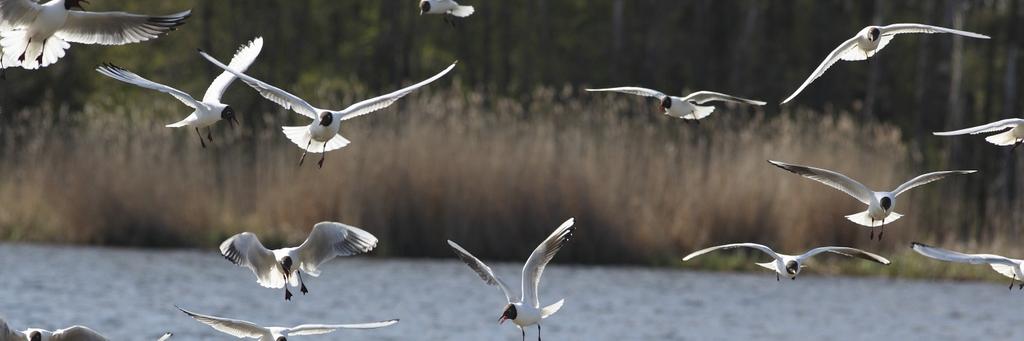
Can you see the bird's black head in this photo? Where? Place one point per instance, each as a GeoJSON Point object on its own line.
{"type": "Point", "coordinates": [792, 267]}
{"type": "Point", "coordinates": [886, 203]}
{"type": "Point", "coordinates": [286, 263]}
{"type": "Point", "coordinates": [874, 33]}
{"type": "Point", "coordinates": [281, 338]}
{"type": "Point", "coordinates": [35, 336]}
{"type": "Point", "coordinates": [510, 313]}
{"type": "Point", "coordinates": [424, 7]}
{"type": "Point", "coordinates": [228, 114]}
{"type": "Point", "coordinates": [666, 103]}
{"type": "Point", "coordinates": [326, 119]}
{"type": "Point", "coordinates": [69, 4]}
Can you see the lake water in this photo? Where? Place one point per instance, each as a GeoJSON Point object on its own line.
{"type": "Point", "coordinates": [130, 295]}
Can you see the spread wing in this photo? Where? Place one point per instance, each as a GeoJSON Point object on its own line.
{"type": "Point", "coordinates": [702, 97]}
{"type": "Point", "coordinates": [6, 333]}
{"type": "Point", "coordinates": [632, 90]}
{"type": "Point", "coordinates": [18, 13]}
{"type": "Point", "coordinates": [244, 57]}
{"type": "Point", "coordinates": [316, 329]}
{"type": "Point", "coordinates": [329, 240]}
{"type": "Point", "coordinates": [77, 333]}
{"type": "Point", "coordinates": [381, 102]}
{"type": "Point", "coordinates": [926, 178]}
{"type": "Point", "coordinates": [115, 72]}
{"type": "Point", "coordinates": [244, 249]}
{"type": "Point", "coordinates": [482, 270]}
{"type": "Point", "coordinates": [957, 257]}
{"type": "Point", "coordinates": [845, 251]}
{"type": "Point", "coordinates": [276, 95]}
{"type": "Point", "coordinates": [539, 259]}
{"type": "Point", "coordinates": [830, 178]}
{"type": "Point", "coordinates": [117, 28]}
{"type": "Point", "coordinates": [754, 246]}
{"type": "Point", "coordinates": [985, 128]}
{"type": "Point", "coordinates": [832, 58]}
{"type": "Point", "coordinates": [237, 328]}
{"type": "Point", "coordinates": [895, 29]}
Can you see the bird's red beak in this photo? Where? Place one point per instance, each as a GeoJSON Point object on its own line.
{"type": "Point", "coordinates": [502, 319]}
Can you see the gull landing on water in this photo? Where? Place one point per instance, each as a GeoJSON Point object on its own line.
{"type": "Point", "coordinates": [208, 111]}
{"type": "Point", "coordinates": [524, 312]}
{"type": "Point", "coordinates": [789, 265]}
{"type": "Point", "coordinates": [880, 204]}
{"type": "Point", "coordinates": [1008, 267]}
{"type": "Point", "coordinates": [282, 267]}
{"type": "Point", "coordinates": [868, 42]}
{"type": "Point", "coordinates": [246, 329]}
{"type": "Point", "coordinates": [448, 8]}
{"type": "Point", "coordinates": [324, 133]}
{"type": "Point", "coordinates": [1014, 134]}
{"type": "Point", "coordinates": [688, 107]}
{"type": "Point", "coordinates": [35, 35]}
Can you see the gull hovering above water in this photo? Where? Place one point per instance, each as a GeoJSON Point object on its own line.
{"type": "Point", "coordinates": [1008, 267]}
{"type": "Point", "coordinates": [245, 329]}
{"type": "Point", "coordinates": [790, 265]}
{"type": "Point", "coordinates": [868, 42]}
{"type": "Point", "coordinates": [524, 312]}
{"type": "Point", "coordinates": [1013, 134]}
{"type": "Point", "coordinates": [35, 35]}
{"type": "Point", "coordinates": [74, 333]}
{"type": "Point", "coordinates": [324, 133]}
{"type": "Point", "coordinates": [208, 111]}
{"type": "Point", "coordinates": [282, 267]}
{"type": "Point", "coordinates": [689, 107]}
{"type": "Point", "coordinates": [880, 204]}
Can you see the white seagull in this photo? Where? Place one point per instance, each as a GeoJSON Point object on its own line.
{"type": "Point", "coordinates": [245, 329]}
{"type": "Point", "coordinates": [789, 265]}
{"type": "Point", "coordinates": [689, 107]}
{"type": "Point", "coordinates": [1008, 267]}
{"type": "Point", "coordinates": [880, 204]}
{"type": "Point", "coordinates": [524, 312]}
{"type": "Point", "coordinates": [323, 134]}
{"type": "Point", "coordinates": [445, 7]}
{"type": "Point", "coordinates": [35, 35]}
{"type": "Point", "coordinates": [1013, 134]}
{"type": "Point", "coordinates": [281, 267]}
{"type": "Point", "coordinates": [74, 333]}
{"type": "Point", "coordinates": [208, 111]}
{"type": "Point", "coordinates": [868, 42]}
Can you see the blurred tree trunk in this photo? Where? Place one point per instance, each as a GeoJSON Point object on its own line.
{"type": "Point", "coordinates": [921, 91]}
{"type": "Point", "coordinates": [1010, 106]}
{"type": "Point", "coordinates": [875, 65]}
{"type": "Point", "coordinates": [617, 37]}
{"type": "Point", "coordinates": [955, 11]}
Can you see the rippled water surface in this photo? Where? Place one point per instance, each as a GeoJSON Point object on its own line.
{"type": "Point", "coordinates": [130, 295]}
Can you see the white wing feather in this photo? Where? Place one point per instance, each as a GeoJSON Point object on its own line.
{"type": "Point", "coordinates": [316, 329]}
{"type": "Point", "coordinates": [117, 28]}
{"type": "Point", "coordinates": [77, 333]}
{"type": "Point", "coordinates": [754, 246]}
{"type": "Point", "coordinates": [244, 249]}
{"type": "Point", "coordinates": [702, 97]}
{"type": "Point", "coordinates": [18, 13]}
{"type": "Point", "coordinates": [129, 77]}
{"type": "Point", "coordinates": [830, 178]}
{"type": "Point", "coordinates": [845, 251]}
{"type": "Point", "coordinates": [921, 28]}
{"type": "Point", "coordinates": [539, 259]}
{"type": "Point", "coordinates": [329, 240]}
{"type": "Point", "coordinates": [482, 270]}
{"type": "Point", "coordinates": [381, 102]}
{"type": "Point", "coordinates": [274, 94]}
{"type": "Point", "coordinates": [243, 58]}
{"type": "Point", "coordinates": [985, 128]}
{"type": "Point", "coordinates": [632, 90]}
{"type": "Point", "coordinates": [237, 328]}
{"type": "Point", "coordinates": [926, 178]}
{"type": "Point", "coordinates": [832, 58]}
{"type": "Point", "coordinates": [957, 257]}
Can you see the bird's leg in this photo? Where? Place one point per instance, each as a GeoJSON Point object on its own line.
{"type": "Point", "coordinates": [209, 134]}
{"type": "Point", "coordinates": [302, 284]}
{"type": "Point", "coordinates": [3, 71]}
{"type": "Point", "coordinates": [323, 154]}
{"type": "Point", "coordinates": [304, 151]}
{"type": "Point", "coordinates": [203, 143]}
{"type": "Point", "coordinates": [881, 232]}
{"type": "Point", "coordinates": [793, 278]}
{"type": "Point", "coordinates": [22, 57]}
{"type": "Point", "coordinates": [538, 332]}
{"type": "Point", "coordinates": [1011, 281]}
{"type": "Point", "coordinates": [777, 277]}
{"type": "Point", "coordinates": [521, 330]}
{"type": "Point", "coordinates": [39, 59]}
{"type": "Point", "coordinates": [287, 294]}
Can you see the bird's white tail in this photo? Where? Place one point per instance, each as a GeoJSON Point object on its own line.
{"type": "Point", "coordinates": [699, 112]}
{"type": "Point", "coordinates": [863, 218]}
{"type": "Point", "coordinates": [15, 44]}
{"type": "Point", "coordinates": [551, 309]}
{"type": "Point", "coordinates": [769, 265]}
{"type": "Point", "coordinates": [1002, 139]}
{"type": "Point", "coordinates": [301, 137]}
{"type": "Point", "coordinates": [183, 122]}
{"type": "Point", "coordinates": [462, 11]}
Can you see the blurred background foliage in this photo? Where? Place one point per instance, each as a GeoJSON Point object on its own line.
{"type": "Point", "coordinates": [508, 145]}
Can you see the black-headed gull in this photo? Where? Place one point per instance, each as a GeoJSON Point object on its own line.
{"type": "Point", "coordinates": [446, 8]}
{"type": "Point", "coordinates": [688, 107]}
{"type": "Point", "coordinates": [868, 42]}
{"type": "Point", "coordinates": [790, 265]}
{"type": "Point", "coordinates": [245, 329]}
{"type": "Point", "coordinates": [324, 133]}
{"type": "Point", "coordinates": [1013, 134]}
{"type": "Point", "coordinates": [880, 204]}
{"type": "Point", "coordinates": [35, 35]}
{"type": "Point", "coordinates": [1008, 267]}
{"type": "Point", "coordinates": [74, 333]}
{"type": "Point", "coordinates": [208, 111]}
{"type": "Point", "coordinates": [282, 267]}
{"type": "Point", "coordinates": [526, 311]}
